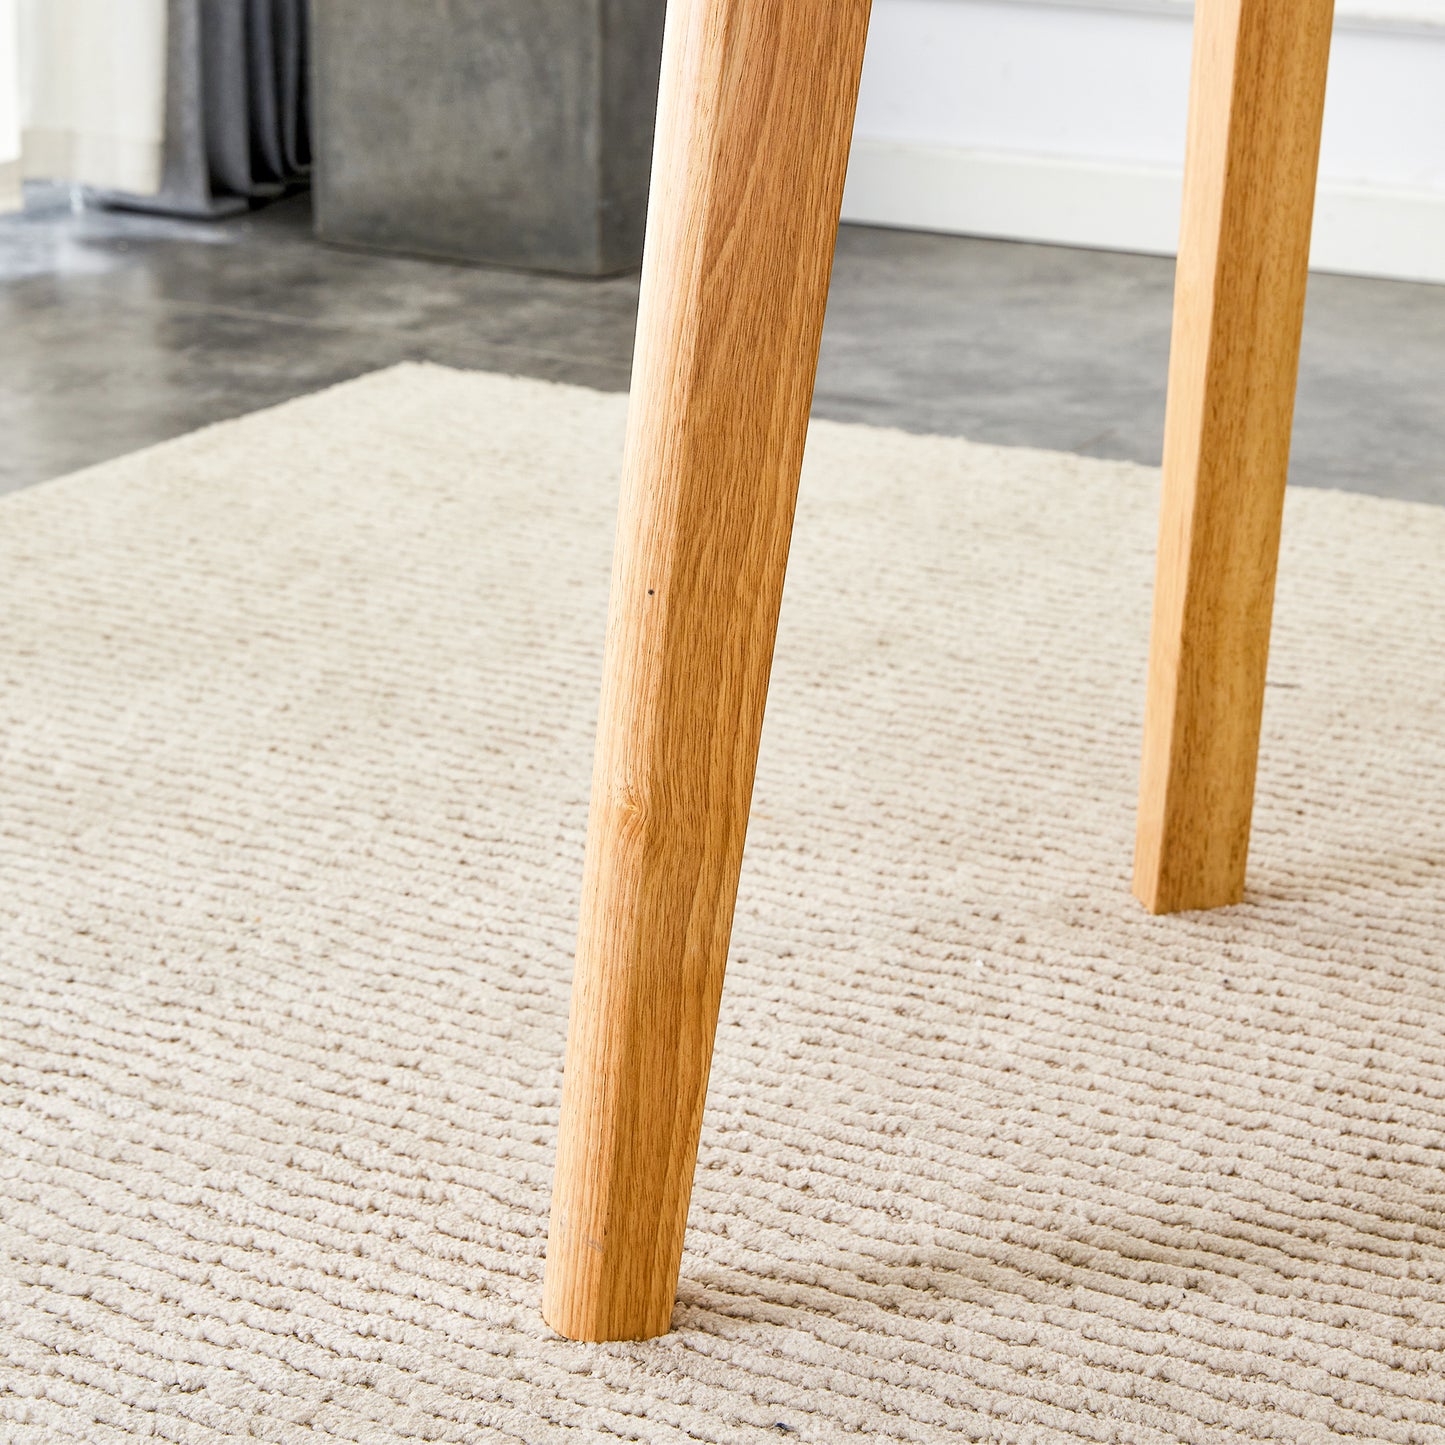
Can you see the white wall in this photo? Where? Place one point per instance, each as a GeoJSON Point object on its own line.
{"type": "Point", "coordinates": [82, 93]}
{"type": "Point", "coordinates": [1063, 120]}
{"type": "Point", "coordinates": [9, 106]}
{"type": "Point", "coordinates": [92, 91]}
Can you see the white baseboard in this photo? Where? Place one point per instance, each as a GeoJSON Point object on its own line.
{"type": "Point", "coordinates": [11, 197]}
{"type": "Point", "coordinates": [93, 158]}
{"type": "Point", "coordinates": [1359, 230]}
{"type": "Point", "coordinates": [1422, 17]}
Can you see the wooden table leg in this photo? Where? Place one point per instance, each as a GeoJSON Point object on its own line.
{"type": "Point", "coordinates": [754, 124]}
{"type": "Point", "coordinates": [1256, 101]}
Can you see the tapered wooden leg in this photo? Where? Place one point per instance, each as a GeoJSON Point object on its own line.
{"type": "Point", "coordinates": [1256, 100]}
{"type": "Point", "coordinates": [754, 123]}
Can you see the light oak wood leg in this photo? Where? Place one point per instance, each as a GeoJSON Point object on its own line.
{"type": "Point", "coordinates": [1256, 101]}
{"type": "Point", "coordinates": [754, 122]}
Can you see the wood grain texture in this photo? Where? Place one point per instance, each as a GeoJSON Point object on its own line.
{"type": "Point", "coordinates": [754, 123]}
{"type": "Point", "coordinates": [1256, 101]}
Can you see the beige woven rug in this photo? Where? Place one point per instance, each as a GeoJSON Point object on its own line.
{"type": "Point", "coordinates": [294, 742]}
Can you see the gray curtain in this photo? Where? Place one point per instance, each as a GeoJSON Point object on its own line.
{"type": "Point", "coordinates": [238, 124]}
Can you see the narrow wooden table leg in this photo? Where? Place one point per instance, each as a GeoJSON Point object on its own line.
{"type": "Point", "coordinates": [1256, 101]}
{"type": "Point", "coordinates": [754, 124]}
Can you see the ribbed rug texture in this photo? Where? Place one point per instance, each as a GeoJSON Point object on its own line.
{"type": "Point", "coordinates": [296, 719]}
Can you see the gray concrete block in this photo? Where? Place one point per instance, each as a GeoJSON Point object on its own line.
{"type": "Point", "coordinates": [513, 132]}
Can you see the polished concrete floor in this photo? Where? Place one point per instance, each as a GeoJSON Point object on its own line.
{"type": "Point", "coordinates": [121, 330]}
